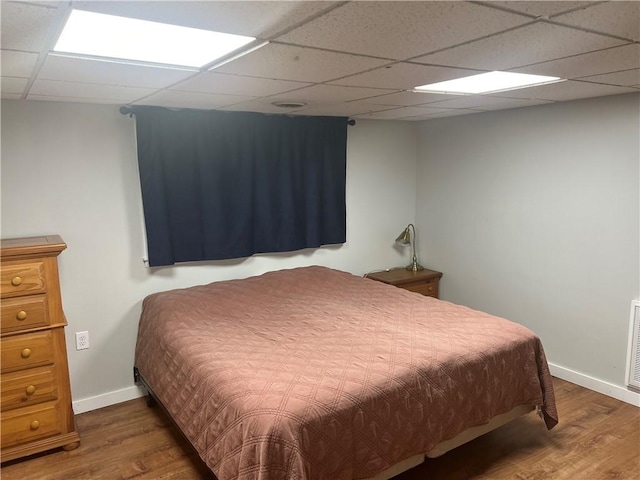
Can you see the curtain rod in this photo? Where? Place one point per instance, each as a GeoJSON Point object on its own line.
{"type": "Point", "coordinates": [125, 110]}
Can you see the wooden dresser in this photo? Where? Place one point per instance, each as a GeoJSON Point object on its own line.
{"type": "Point", "coordinates": [424, 281]}
{"type": "Point", "coordinates": [36, 411]}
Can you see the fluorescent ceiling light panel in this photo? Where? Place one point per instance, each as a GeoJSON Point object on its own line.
{"type": "Point", "coordinates": [487, 83]}
{"type": "Point", "coordinates": [100, 35]}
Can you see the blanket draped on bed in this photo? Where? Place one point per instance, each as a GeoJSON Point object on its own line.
{"type": "Point", "coordinates": [313, 373]}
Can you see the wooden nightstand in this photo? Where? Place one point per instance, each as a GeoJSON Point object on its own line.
{"type": "Point", "coordinates": [424, 281]}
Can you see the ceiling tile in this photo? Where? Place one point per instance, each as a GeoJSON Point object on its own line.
{"type": "Point", "coordinates": [264, 105]}
{"type": "Point", "coordinates": [172, 98]}
{"type": "Point", "coordinates": [540, 8]}
{"type": "Point", "coordinates": [535, 43]}
{"type": "Point", "coordinates": [625, 57]}
{"type": "Point", "coordinates": [487, 102]}
{"type": "Point", "coordinates": [109, 73]}
{"type": "Point", "coordinates": [404, 112]}
{"type": "Point", "coordinates": [25, 26]}
{"type": "Point", "coordinates": [13, 85]}
{"type": "Point", "coordinates": [332, 93]}
{"type": "Point", "coordinates": [499, 103]}
{"type": "Point", "coordinates": [408, 99]}
{"type": "Point", "coordinates": [418, 118]}
{"type": "Point", "coordinates": [117, 94]}
{"type": "Point", "coordinates": [400, 30]}
{"type": "Point", "coordinates": [450, 113]}
{"type": "Point", "coordinates": [341, 109]}
{"type": "Point", "coordinates": [403, 76]}
{"type": "Point", "coordinates": [616, 18]}
{"type": "Point", "coordinates": [211, 82]}
{"type": "Point", "coordinates": [390, 114]}
{"type": "Point", "coordinates": [260, 106]}
{"type": "Point", "coordinates": [413, 114]}
{"type": "Point", "coordinates": [626, 78]}
{"type": "Point", "coordinates": [569, 90]}
{"type": "Point", "coordinates": [72, 99]}
{"type": "Point", "coordinates": [302, 64]}
{"type": "Point", "coordinates": [17, 64]}
{"type": "Point", "coordinates": [252, 18]}
{"type": "Point", "coordinates": [421, 110]}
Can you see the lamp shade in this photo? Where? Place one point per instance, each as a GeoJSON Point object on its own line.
{"type": "Point", "coordinates": [404, 239]}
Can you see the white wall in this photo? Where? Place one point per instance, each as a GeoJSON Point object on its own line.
{"type": "Point", "coordinates": [70, 169]}
{"type": "Point", "coordinates": [533, 214]}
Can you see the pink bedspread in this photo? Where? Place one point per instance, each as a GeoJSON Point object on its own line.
{"type": "Point", "coordinates": [313, 373]}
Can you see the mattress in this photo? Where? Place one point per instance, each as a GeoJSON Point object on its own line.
{"type": "Point", "coordinates": [313, 373]}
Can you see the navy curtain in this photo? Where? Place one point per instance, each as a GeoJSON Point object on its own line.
{"type": "Point", "coordinates": [219, 185]}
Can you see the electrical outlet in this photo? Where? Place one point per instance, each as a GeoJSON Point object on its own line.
{"type": "Point", "coordinates": [82, 340]}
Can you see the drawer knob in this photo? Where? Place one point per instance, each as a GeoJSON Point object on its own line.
{"type": "Point", "coordinates": [15, 281]}
{"type": "Point", "coordinates": [34, 425]}
{"type": "Point", "coordinates": [21, 315]}
{"type": "Point", "coordinates": [31, 389]}
{"type": "Point", "coordinates": [26, 353]}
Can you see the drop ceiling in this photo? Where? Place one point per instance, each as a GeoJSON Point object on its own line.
{"type": "Point", "coordinates": [356, 58]}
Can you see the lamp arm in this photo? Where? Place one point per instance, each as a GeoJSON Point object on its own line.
{"type": "Point", "coordinates": [413, 243]}
{"type": "Point", "coordinates": [415, 266]}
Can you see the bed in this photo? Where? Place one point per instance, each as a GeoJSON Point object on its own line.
{"type": "Point", "coordinates": [313, 373]}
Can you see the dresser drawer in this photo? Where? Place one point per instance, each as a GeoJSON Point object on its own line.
{"type": "Point", "coordinates": [22, 279]}
{"type": "Point", "coordinates": [28, 387]}
{"type": "Point", "coordinates": [424, 282]}
{"type": "Point", "coordinates": [24, 312]}
{"type": "Point", "coordinates": [26, 350]}
{"type": "Point", "coordinates": [429, 289]}
{"type": "Point", "coordinates": [30, 423]}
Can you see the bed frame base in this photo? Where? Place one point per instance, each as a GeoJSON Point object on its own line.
{"type": "Point", "coordinates": [152, 399]}
{"type": "Point", "coordinates": [460, 439]}
{"type": "Point", "coordinates": [402, 466]}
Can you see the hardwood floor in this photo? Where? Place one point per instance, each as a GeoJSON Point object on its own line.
{"type": "Point", "coordinates": [598, 438]}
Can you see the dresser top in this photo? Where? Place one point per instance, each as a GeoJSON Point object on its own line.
{"type": "Point", "coordinates": [45, 245]}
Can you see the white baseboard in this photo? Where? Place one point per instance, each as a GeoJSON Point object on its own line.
{"type": "Point", "coordinates": [600, 386]}
{"type": "Point", "coordinates": [110, 398]}
{"type": "Point", "coordinates": [118, 396]}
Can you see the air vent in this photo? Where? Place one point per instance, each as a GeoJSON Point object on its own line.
{"type": "Point", "coordinates": [633, 352]}
{"type": "Point", "coordinates": [286, 104]}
